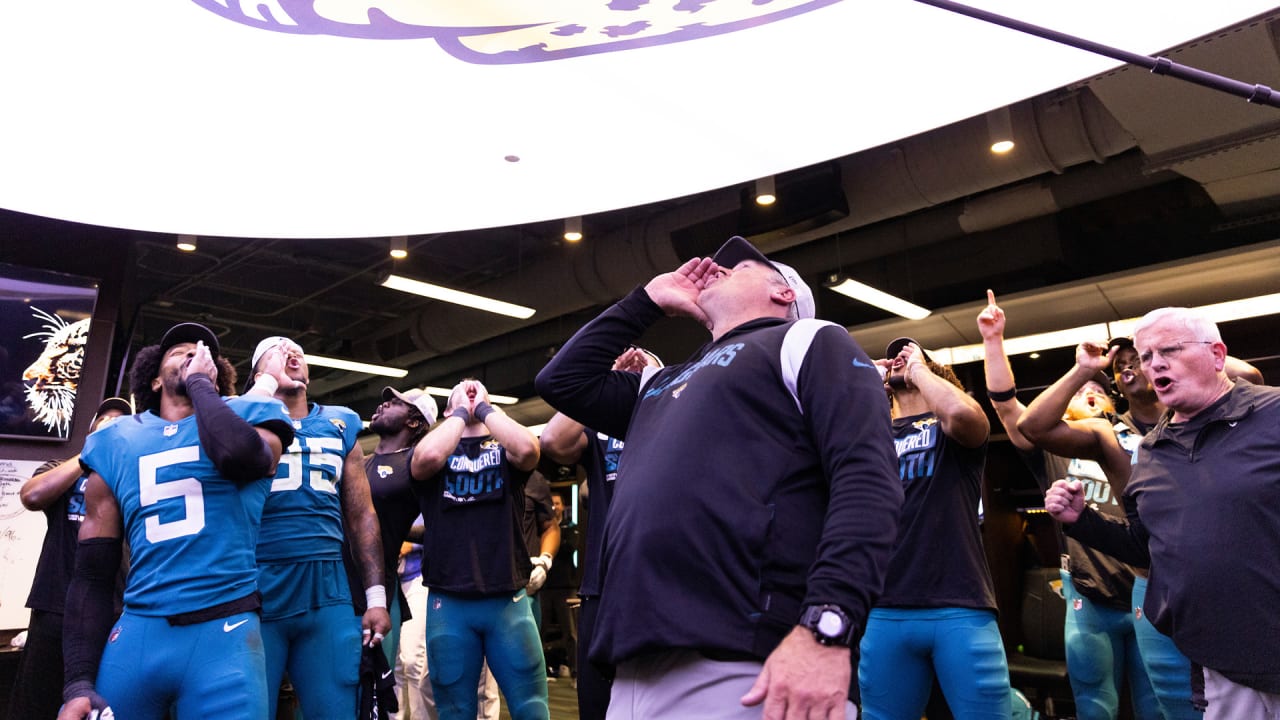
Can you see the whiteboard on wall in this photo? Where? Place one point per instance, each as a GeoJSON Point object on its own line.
{"type": "Point", "coordinates": [21, 537]}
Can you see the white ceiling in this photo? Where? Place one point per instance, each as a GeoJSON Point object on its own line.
{"type": "Point", "coordinates": [181, 117]}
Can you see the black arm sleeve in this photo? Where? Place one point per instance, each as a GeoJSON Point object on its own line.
{"type": "Point", "coordinates": [1125, 540]}
{"type": "Point", "coordinates": [579, 381]}
{"type": "Point", "coordinates": [89, 612]}
{"type": "Point", "coordinates": [234, 446]}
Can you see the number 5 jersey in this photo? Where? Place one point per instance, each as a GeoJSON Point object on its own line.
{"type": "Point", "coordinates": [191, 532]}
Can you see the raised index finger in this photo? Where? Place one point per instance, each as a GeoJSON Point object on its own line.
{"type": "Point", "coordinates": [991, 297]}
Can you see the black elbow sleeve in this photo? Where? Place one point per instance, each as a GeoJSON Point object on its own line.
{"type": "Point", "coordinates": [90, 608]}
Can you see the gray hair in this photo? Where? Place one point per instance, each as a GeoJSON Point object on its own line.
{"type": "Point", "coordinates": [1195, 322]}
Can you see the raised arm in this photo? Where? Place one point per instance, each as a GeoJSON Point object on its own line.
{"type": "Point", "coordinates": [579, 381]}
{"type": "Point", "coordinates": [960, 416]}
{"type": "Point", "coordinates": [431, 452]}
{"type": "Point", "coordinates": [1091, 439]}
{"type": "Point", "coordinates": [519, 442]}
{"type": "Point", "coordinates": [236, 448]}
{"type": "Point", "coordinates": [1001, 388]}
{"type": "Point", "coordinates": [44, 488]}
{"type": "Point", "coordinates": [360, 524]}
{"type": "Point", "coordinates": [564, 439]}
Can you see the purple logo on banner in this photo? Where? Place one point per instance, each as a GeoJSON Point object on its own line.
{"type": "Point", "coordinates": [495, 32]}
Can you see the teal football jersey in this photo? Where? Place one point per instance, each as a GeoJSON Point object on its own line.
{"type": "Point", "coordinates": [303, 515]}
{"type": "Point", "coordinates": [191, 532]}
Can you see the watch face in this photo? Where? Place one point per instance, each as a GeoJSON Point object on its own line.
{"type": "Point", "coordinates": [830, 624]}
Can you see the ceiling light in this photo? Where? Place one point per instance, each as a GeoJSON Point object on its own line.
{"type": "Point", "coordinates": [573, 228]}
{"type": "Point", "coordinates": [187, 243]}
{"type": "Point", "coordinates": [457, 297]}
{"type": "Point", "coordinates": [882, 300]}
{"type": "Point", "coordinates": [1241, 309]}
{"type": "Point", "coordinates": [400, 247]}
{"type": "Point", "coordinates": [766, 193]}
{"type": "Point", "coordinates": [495, 399]}
{"type": "Point", "coordinates": [353, 366]}
{"type": "Point", "coordinates": [1000, 130]}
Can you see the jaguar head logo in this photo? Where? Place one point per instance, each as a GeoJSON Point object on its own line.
{"type": "Point", "coordinates": [53, 378]}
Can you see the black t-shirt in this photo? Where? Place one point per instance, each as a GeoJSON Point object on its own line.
{"type": "Point", "coordinates": [563, 574]}
{"type": "Point", "coordinates": [938, 559]}
{"type": "Point", "coordinates": [58, 554]}
{"type": "Point", "coordinates": [600, 463]}
{"type": "Point", "coordinates": [538, 511]}
{"type": "Point", "coordinates": [473, 511]}
{"type": "Point", "coordinates": [396, 505]}
{"type": "Point", "coordinates": [1095, 574]}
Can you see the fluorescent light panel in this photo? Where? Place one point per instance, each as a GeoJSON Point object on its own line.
{"type": "Point", "coordinates": [353, 366]}
{"type": "Point", "coordinates": [496, 399]}
{"type": "Point", "coordinates": [457, 297]}
{"type": "Point", "coordinates": [882, 300]}
{"type": "Point", "coordinates": [1100, 332]}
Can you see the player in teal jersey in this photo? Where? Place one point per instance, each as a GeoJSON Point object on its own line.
{"type": "Point", "coordinates": [320, 494]}
{"type": "Point", "coordinates": [185, 482]}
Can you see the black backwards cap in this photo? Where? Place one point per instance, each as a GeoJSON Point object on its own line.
{"type": "Point", "coordinates": [896, 346]}
{"type": "Point", "coordinates": [189, 333]}
{"type": "Point", "coordinates": [114, 403]}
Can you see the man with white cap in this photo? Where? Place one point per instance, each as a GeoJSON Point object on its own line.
{"type": "Point", "coordinates": [319, 499]}
{"type": "Point", "coordinates": [57, 490]}
{"type": "Point", "coordinates": [184, 480]}
{"type": "Point", "coordinates": [400, 422]}
{"type": "Point", "coordinates": [770, 451]}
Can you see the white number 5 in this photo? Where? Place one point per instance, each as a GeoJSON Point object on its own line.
{"type": "Point", "coordinates": [152, 491]}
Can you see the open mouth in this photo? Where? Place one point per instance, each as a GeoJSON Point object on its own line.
{"type": "Point", "coordinates": [1128, 376]}
{"type": "Point", "coordinates": [1162, 383]}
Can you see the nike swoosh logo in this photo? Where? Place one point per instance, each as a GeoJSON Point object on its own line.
{"type": "Point", "coordinates": [859, 363]}
{"type": "Point", "coordinates": [228, 627]}
{"type": "Point", "coordinates": [386, 675]}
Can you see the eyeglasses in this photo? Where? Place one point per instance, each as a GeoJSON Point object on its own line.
{"type": "Point", "coordinates": [1169, 353]}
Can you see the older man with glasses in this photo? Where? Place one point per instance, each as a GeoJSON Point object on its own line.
{"type": "Point", "coordinates": [1203, 498]}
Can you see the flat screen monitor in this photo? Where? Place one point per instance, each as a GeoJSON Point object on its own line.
{"type": "Point", "coordinates": [44, 332]}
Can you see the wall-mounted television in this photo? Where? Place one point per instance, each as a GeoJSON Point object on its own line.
{"type": "Point", "coordinates": [44, 332]}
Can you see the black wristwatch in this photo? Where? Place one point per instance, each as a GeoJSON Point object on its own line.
{"type": "Point", "coordinates": [829, 623]}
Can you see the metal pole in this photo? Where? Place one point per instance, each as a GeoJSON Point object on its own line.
{"type": "Point", "coordinates": [1259, 94]}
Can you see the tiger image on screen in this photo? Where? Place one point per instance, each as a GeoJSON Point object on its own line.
{"type": "Point", "coordinates": [54, 376]}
